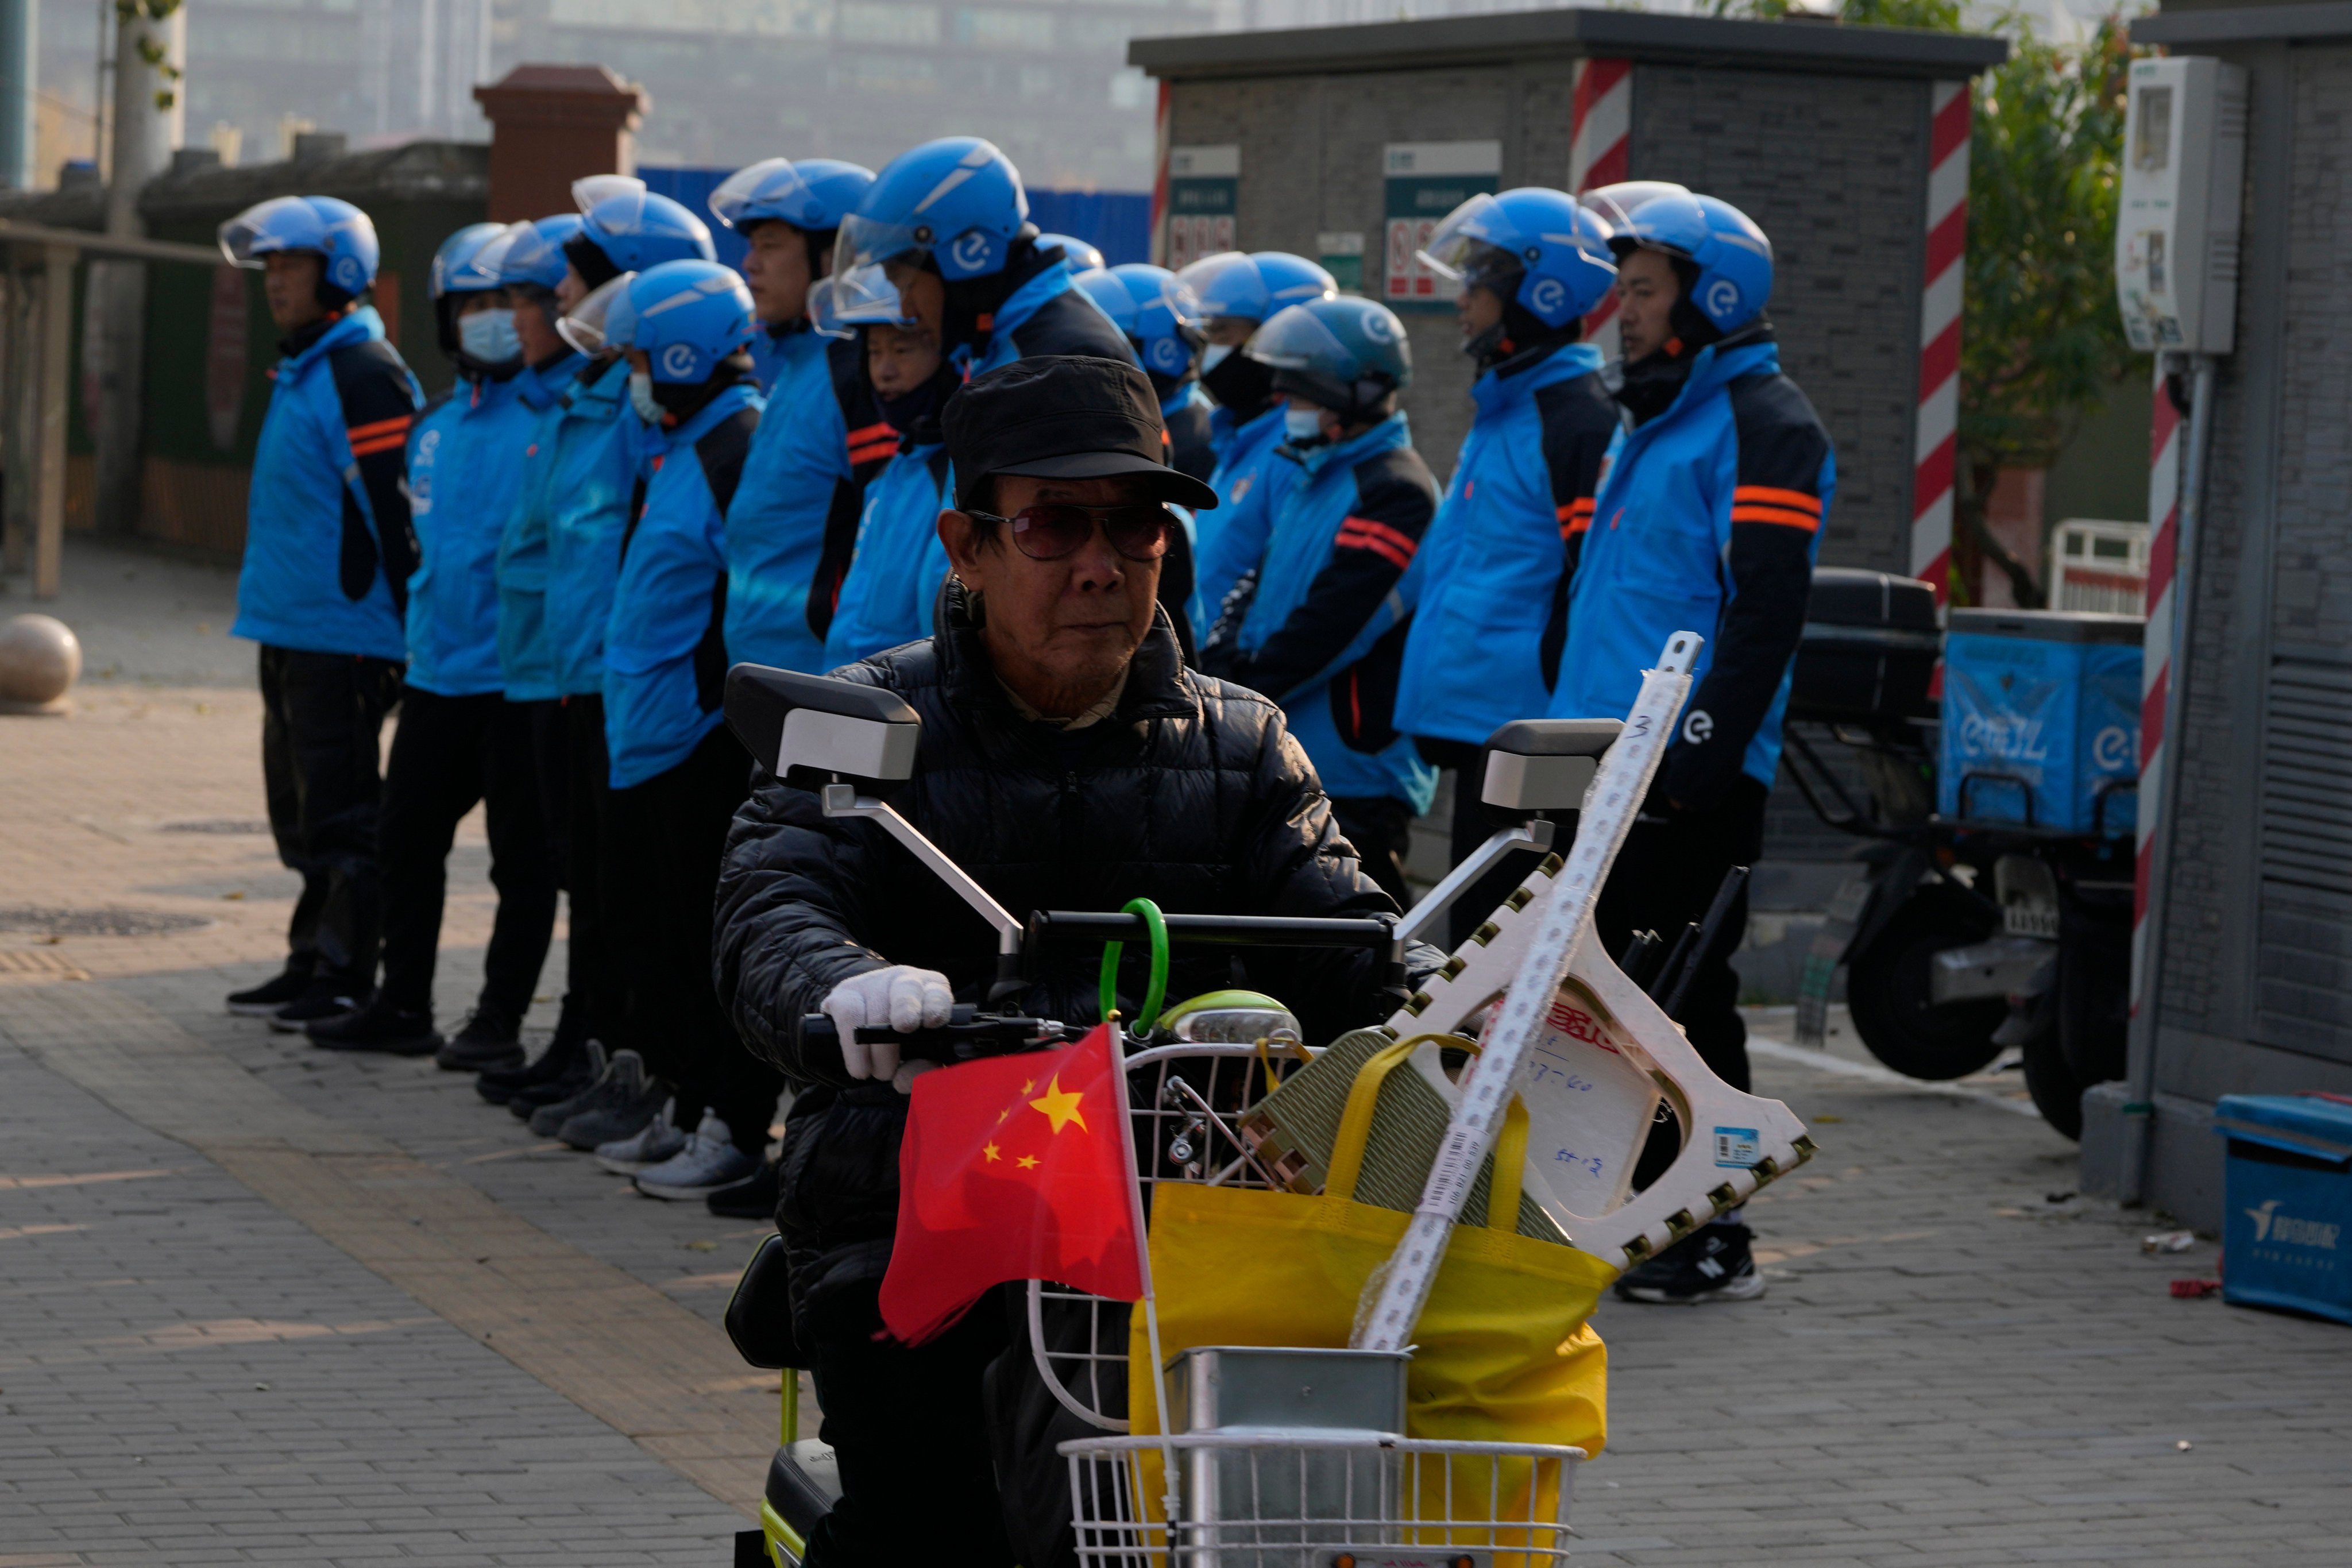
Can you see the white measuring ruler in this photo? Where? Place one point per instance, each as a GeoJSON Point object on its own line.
{"type": "Point", "coordinates": [1398, 1290]}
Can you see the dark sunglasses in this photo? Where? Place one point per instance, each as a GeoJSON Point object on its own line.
{"type": "Point", "coordinates": [1052, 530]}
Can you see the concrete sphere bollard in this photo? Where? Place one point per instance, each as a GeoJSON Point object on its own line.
{"type": "Point", "coordinates": [40, 660]}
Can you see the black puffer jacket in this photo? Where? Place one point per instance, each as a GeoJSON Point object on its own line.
{"type": "Point", "coordinates": [1192, 793]}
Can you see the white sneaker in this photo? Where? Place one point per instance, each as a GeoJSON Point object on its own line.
{"type": "Point", "coordinates": [656, 1142]}
{"type": "Point", "coordinates": [709, 1160]}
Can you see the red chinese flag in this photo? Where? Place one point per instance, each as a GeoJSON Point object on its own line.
{"type": "Point", "coordinates": [1012, 1168]}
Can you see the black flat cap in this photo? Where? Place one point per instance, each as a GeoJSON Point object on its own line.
{"type": "Point", "coordinates": [1064, 416]}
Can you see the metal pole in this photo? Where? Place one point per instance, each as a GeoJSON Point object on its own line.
{"type": "Point", "coordinates": [2140, 1107]}
{"type": "Point", "coordinates": [20, 61]}
{"type": "Point", "coordinates": [57, 390]}
{"type": "Point", "coordinates": [148, 108]}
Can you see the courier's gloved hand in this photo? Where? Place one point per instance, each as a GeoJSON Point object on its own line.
{"type": "Point", "coordinates": [903, 997]}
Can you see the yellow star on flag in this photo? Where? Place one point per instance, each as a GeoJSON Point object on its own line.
{"type": "Point", "coordinates": [1060, 1107]}
{"type": "Point", "coordinates": [990, 1151]}
{"type": "Point", "coordinates": [1027, 1161]}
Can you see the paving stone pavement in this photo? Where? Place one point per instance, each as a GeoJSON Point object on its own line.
{"type": "Point", "coordinates": [1955, 1363]}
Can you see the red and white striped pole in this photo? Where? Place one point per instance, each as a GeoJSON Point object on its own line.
{"type": "Point", "coordinates": [1600, 125]}
{"type": "Point", "coordinates": [2164, 605]}
{"type": "Point", "coordinates": [1936, 447]}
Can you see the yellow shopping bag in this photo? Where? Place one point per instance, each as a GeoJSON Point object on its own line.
{"type": "Point", "coordinates": [1504, 1351]}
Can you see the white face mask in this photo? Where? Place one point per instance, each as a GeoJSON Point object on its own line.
{"type": "Point", "coordinates": [641, 397]}
{"type": "Point", "coordinates": [1214, 356]}
{"type": "Point", "coordinates": [489, 337]}
{"type": "Point", "coordinates": [1302, 426]}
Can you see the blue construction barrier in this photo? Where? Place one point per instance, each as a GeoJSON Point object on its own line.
{"type": "Point", "coordinates": [1118, 222]}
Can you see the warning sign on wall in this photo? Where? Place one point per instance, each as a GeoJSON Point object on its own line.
{"type": "Point", "coordinates": [1204, 191]}
{"type": "Point", "coordinates": [1424, 180]}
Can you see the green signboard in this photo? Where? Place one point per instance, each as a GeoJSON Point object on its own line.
{"type": "Point", "coordinates": [1424, 182]}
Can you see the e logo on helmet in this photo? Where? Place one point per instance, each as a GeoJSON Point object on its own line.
{"type": "Point", "coordinates": [1378, 328]}
{"type": "Point", "coordinates": [970, 251]}
{"type": "Point", "coordinates": [1722, 298]}
{"type": "Point", "coordinates": [347, 274]}
{"type": "Point", "coordinates": [677, 361]}
{"type": "Point", "coordinates": [1167, 355]}
{"type": "Point", "coordinates": [1549, 297]}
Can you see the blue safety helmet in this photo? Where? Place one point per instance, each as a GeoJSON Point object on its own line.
{"type": "Point", "coordinates": [812, 195]}
{"type": "Point", "coordinates": [1733, 258]}
{"type": "Point", "coordinates": [1616, 202]}
{"type": "Point", "coordinates": [1349, 355]}
{"type": "Point", "coordinates": [1531, 247]}
{"type": "Point", "coordinates": [687, 316]}
{"type": "Point", "coordinates": [470, 262]}
{"type": "Point", "coordinates": [1082, 257]}
{"type": "Point", "coordinates": [334, 228]}
{"type": "Point", "coordinates": [602, 320]}
{"type": "Point", "coordinates": [637, 229]}
{"type": "Point", "coordinates": [1256, 285]}
{"type": "Point", "coordinates": [957, 201]}
{"type": "Point", "coordinates": [534, 258]}
{"type": "Point", "coordinates": [1158, 314]}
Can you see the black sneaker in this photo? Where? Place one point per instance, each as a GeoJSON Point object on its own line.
{"type": "Point", "coordinates": [324, 999]}
{"type": "Point", "coordinates": [501, 1085]}
{"type": "Point", "coordinates": [490, 1041]}
{"type": "Point", "coordinates": [579, 1074]}
{"type": "Point", "coordinates": [289, 985]}
{"type": "Point", "coordinates": [610, 1120]}
{"type": "Point", "coordinates": [1713, 1263]}
{"type": "Point", "coordinates": [622, 1085]}
{"type": "Point", "coordinates": [378, 1026]}
{"type": "Point", "coordinates": [753, 1197]}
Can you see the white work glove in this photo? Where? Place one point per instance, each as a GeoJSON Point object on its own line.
{"type": "Point", "coordinates": [901, 997]}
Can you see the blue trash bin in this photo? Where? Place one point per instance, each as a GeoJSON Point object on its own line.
{"type": "Point", "coordinates": [2287, 1237]}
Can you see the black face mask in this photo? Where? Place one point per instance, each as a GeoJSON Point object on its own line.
{"type": "Point", "coordinates": [1163, 386]}
{"type": "Point", "coordinates": [1241, 384]}
{"type": "Point", "coordinates": [916, 413]}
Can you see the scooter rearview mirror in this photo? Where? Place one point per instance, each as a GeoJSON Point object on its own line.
{"type": "Point", "coordinates": [811, 730]}
{"type": "Point", "coordinates": [1545, 765]}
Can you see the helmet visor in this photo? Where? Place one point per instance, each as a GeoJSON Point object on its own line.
{"type": "Point", "coordinates": [763, 190]}
{"type": "Point", "coordinates": [532, 258]}
{"type": "Point", "coordinates": [275, 225]}
{"type": "Point", "coordinates": [1617, 204]}
{"type": "Point", "coordinates": [602, 320]}
{"type": "Point", "coordinates": [1468, 245]}
{"type": "Point", "coordinates": [586, 193]}
{"type": "Point", "coordinates": [1295, 338]}
{"type": "Point", "coordinates": [863, 293]}
{"type": "Point", "coordinates": [824, 315]}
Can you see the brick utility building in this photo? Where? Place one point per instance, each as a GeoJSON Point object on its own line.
{"type": "Point", "coordinates": [2249, 949]}
{"type": "Point", "coordinates": [1848, 144]}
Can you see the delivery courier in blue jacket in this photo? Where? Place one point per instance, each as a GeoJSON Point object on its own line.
{"type": "Point", "coordinates": [1236, 293]}
{"type": "Point", "coordinates": [900, 565]}
{"type": "Point", "coordinates": [678, 773]}
{"type": "Point", "coordinates": [1530, 263]}
{"type": "Point", "coordinates": [793, 520]}
{"type": "Point", "coordinates": [1325, 624]}
{"type": "Point", "coordinates": [533, 270]}
{"type": "Point", "coordinates": [460, 743]}
{"type": "Point", "coordinates": [1708, 518]}
{"type": "Point", "coordinates": [328, 551]}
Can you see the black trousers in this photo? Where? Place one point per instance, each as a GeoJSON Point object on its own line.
{"type": "Point", "coordinates": [1665, 878]}
{"type": "Point", "coordinates": [663, 842]}
{"type": "Point", "coordinates": [597, 1004]}
{"type": "Point", "coordinates": [321, 725]}
{"type": "Point", "coordinates": [909, 1429]}
{"type": "Point", "coordinates": [449, 754]}
{"type": "Point", "coordinates": [1474, 822]}
{"type": "Point", "coordinates": [1381, 828]}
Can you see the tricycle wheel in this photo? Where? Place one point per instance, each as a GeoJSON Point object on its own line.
{"type": "Point", "coordinates": [1887, 989]}
{"type": "Point", "coordinates": [2057, 1092]}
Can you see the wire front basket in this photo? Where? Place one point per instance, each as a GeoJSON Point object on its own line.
{"type": "Point", "coordinates": [1296, 1497]}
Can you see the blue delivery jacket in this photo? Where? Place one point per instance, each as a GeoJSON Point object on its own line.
{"type": "Point", "coordinates": [1708, 519]}
{"type": "Point", "coordinates": [1250, 481]}
{"type": "Point", "coordinates": [1482, 586]}
{"type": "Point", "coordinates": [1326, 626]}
{"type": "Point", "coordinates": [1046, 313]}
{"type": "Point", "coordinates": [328, 542]}
{"type": "Point", "coordinates": [525, 661]}
{"type": "Point", "coordinates": [665, 648]}
{"type": "Point", "coordinates": [1185, 414]}
{"type": "Point", "coordinates": [794, 524]}
{"type": "Point", "coordinates": [895, 575]}
{"type": "Point", "coordinates": [592, 490]}
{"type": "Point", "coordinates": [464, 466]}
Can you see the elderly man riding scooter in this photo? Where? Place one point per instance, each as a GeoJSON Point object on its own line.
{"type": "Point", "coordinates": [1069, 760]}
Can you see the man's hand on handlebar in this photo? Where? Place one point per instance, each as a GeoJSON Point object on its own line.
{"type": "Point", "coordinates": [900, 997]}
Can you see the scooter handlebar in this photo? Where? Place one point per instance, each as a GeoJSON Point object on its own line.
{"type": "Point", "coordinates": [969, 1033]}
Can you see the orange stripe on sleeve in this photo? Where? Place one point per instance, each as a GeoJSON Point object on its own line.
{"type": "Point", "coordinates": [1767, 495]}
{"type": "Point", "coordinates": [379, 444]}
{"type": "Point", "coordinates": [381, 428]}
{"type": "Point", "coordinates": [1783, 516]}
